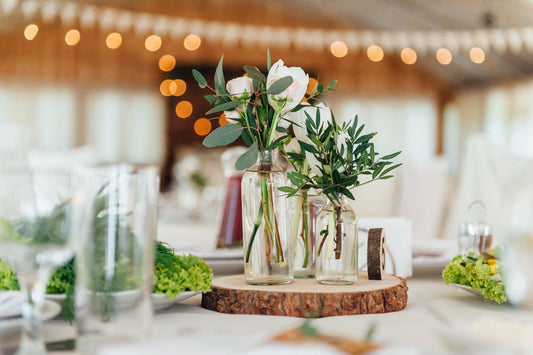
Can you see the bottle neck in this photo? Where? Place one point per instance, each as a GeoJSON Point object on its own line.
{"type": "Point", "coordinates": [265, 156]}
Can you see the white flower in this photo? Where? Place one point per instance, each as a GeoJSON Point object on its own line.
{"type": "Point", "coordinates": [291, 96]}
{"type": "Point", "coordinates": [232, 116]}
{"type": "Point", "coordinates": [299, 117]}
{"type": "Point", "coordinates": [240, 88]}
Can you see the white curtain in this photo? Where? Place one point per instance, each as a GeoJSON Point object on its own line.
{"type": "Point", "coordinates": [118, 125]}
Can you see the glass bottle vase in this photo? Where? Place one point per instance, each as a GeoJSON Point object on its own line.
{"type": "Point", "coordinates": [305, 206]}
{"type": "Point", "coordinates": [336, 261]}
{"type": "Point", "coordinates": [265, 217]}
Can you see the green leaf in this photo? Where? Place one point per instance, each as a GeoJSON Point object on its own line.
{"type": "Point", "coordinates": [390, 156]}
{"type": "Point", "coordinates": [223, 135]}
{"type": "Point", "coordinates": [212, 99]}
{"type": "Point", "coordinates": [280, 85]}
{"type": "Point", "coordinates": [226, 106]}
{"type": "Point", "coordinates": [365, 138]}
{"type": "Point", "coordinates": [308, 147]}
{"type": "Point", "coordinates": [199, 78]}
{"type": "Point", "coordinates": [248, 158]}
{"type": "Point", "coordinates": [389, 169]}
{"type": "Point", "coordinates": [288, 189]}
{"type": "Point", "coordinates": [269, 61]}
{"type": "Point", "coordinates": [246, 137]}
{"type": "Point", "coordinates": [332, 84]}
{"type": "Point", "coordinates": [220, 82]}
{"type": "Point", "coordinates": [254, 73]}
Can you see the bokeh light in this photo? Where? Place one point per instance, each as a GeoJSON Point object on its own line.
{"type": "Point", "coordinates": [312, 84]}
{"type": "Point", "coordinates": [183, 109]}
{"type": "Point", "coordinates": [375, 53]}
{"type": "Point", "coordinates": [222, 120]}
{"type": "Point", "coordinates": [113, 40]}
{"type": "Point", "coordinates": [30, 32]}
{"type": "Point", "coordinates": [192, 42]}
{"type": "Point", "coordinates": [180, 87]}
{"type": "Point", "coordinates": [153, 43]}
{"type": "Point", "coordinates": [202, 126]}
{"type": "Point", "coordinates": [165, 87]}
{"type": "Point", "coordinates": [339, 49]}
{"type": "Point", "coordinates": [72, 37]}
{"type": "Point", "coordinates": [477, 55]}
{"type": "Point", "coordinates": [444, 56]}
{"type": "Point", "coordinates": [167, 62]}
{"type": "Point", "coordinates": [408, 56]}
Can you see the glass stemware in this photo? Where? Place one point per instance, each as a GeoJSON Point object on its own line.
{"type": "Point", "coordinates": [35, 231]}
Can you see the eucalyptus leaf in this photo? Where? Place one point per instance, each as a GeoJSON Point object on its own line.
{"type": "Point", "coordinates": [332, 84]}
{"type": "Point", "coordinates": [248, 158]}
{"type": "Point", "coordinates": [220, 82]}
{"type": "Point", "coordinates": [199, 78]}
{"type": "Point", "coordinates": [280, 85]}
{"type": "Point", "coordinates": [254, 73]}
{"type": "Point", "coordinates": [212, 99]}
{"type": "Point", "coordinates": [223, 135]}
{"type": "Point", "coordinates": [226, 106]}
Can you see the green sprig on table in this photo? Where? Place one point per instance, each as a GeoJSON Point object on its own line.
{"type": "Point", "coordinates": [475, 272]}
{"type": "Point", "coordinates": [173, 274]}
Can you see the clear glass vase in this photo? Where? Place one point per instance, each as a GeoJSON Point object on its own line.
{"type": "Point", "coordinates": [336, 243]}
{"type": "Point", "coordinates": [265, 217]}
{"type": "Point", "coordinates": [305, 206]}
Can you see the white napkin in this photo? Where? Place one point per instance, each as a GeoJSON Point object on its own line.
{"type": "Point", "coordinates": [10, 303]}
{"type": "Point", "coordinates": [398, 239]}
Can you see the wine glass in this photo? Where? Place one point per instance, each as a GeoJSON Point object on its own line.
{"type": "Point", "coordinates": [35, 237]}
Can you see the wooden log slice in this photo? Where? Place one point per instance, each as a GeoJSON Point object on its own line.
{"type": "Point", "coordinates": [306, 297]}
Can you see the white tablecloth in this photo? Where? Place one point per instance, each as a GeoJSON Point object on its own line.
{"type": "Point", "coordinates": [433, 308]}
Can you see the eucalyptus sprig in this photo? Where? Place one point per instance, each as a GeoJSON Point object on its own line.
{"type": "Point", "coordinates": [255, 105]}
{"type": "Point", "coordinates": [345, 157]}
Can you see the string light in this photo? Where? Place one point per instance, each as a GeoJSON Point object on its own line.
{"type": "Point", "coordinates": [183, 109]}
{"type": "Point", "coordinates": [375, 53]}
{"type": "Point", "coordinates": [202, 126]}
{"type": "Point", "coordinates": [408, 56]}
{"type": "Point", "coordinates": [444, 56]}
{"type": "Point", "coordinates": [180, 87]}
{"type": "Point", "coordinates": [30, 32]}
{"type": "Point", "coordinates": [311, 86]}
{"type": "Point", "coordinates": [164, 87]}
{"type": "Point", "coordinates": [113, 40]}
{"type": "Point", "coordinates": [153, 43]}
{"type": "Point", "coordinates": [192, 42]}
{"type": "Point", "coordinates": [339, 49]}
{"type": "Point", "coordinates": [222, 120]}
{"type": "Point", "coordinates": [72, 37]}
{"type": "Point", "coordinates": [477, 55]}
{"type": "Point", "coordinates": [167, 62]}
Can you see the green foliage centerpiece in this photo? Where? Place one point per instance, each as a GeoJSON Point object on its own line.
{"type": "Point", "coordinates": [256, 105]}
{"type": "Point", "coordinates": [344, 158]}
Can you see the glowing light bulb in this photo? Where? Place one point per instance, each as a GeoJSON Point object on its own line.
{"type": "Point", "coordinates": [30, 32]}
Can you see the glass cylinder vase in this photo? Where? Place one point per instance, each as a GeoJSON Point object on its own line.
{"type": "Point", "coordinates": [336, 260]}
{"type": "Point", "coordinates": [305, 206]}
{"type": "Point", "coordinates": [265, 217]}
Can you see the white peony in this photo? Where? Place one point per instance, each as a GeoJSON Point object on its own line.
{"type": "Point", "coordinates": [232, 116]}
{"type": "Point", "coordinates": [240, 88]}
{"type": "Point", "coordinates": [291, 96]}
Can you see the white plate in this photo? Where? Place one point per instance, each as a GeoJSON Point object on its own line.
{"type": "Point", "coordinates": [216, 254]}
{"type": "Point", "coordinates": [126, 298]}
{"type": "Point", "coordinates": [433, 255]}
{"type": "Point", "coordinates": [50, 310]}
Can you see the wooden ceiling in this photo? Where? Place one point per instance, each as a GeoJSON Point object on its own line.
{"type": "Point", "coordinates": [377, 15]}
